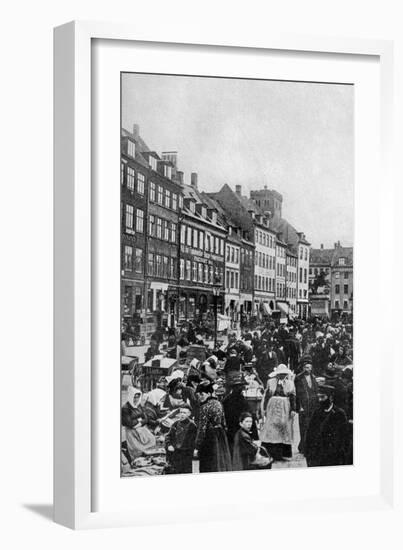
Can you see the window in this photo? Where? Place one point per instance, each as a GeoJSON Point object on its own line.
{"type": "Point", "coordinates": [227, 279]}
{"type": "Point", "coordinates": [180, 201]}
{"type": "Point", "coordinates": [342, 261]}
{"type": "Point", "coordinates": [200, 273]}
{"type": "Point", "coordinates": [152, 191]}
{"type": "Point", "coordinates": [173, 232]}
{"type": "Point", "coordinates": [139, 261]}
{"type": "Point", "coordinates": [182, 269]}
{"type": "Point", "coordinates": [194, 271]}
{"type": "Point", "coordinates": [122, 172]}
{"type": "Point", "coordinates": [172, 268]}
{"type": "Point", "coordinates": [195, 238]}
{"type": "Point", "coordinates": [151, 225]}
{"type": "Point", "coordinates": [201, 240]}
{"type": "Point", "coordinates": [130, 178]}
{"type": "Point", "coordinates": [167, 171]}
{"type": "Point", "coordinates": [221, 247]}
{"type": "Point", "coordinates": [300, 274]}
{"type": "Point", "coordinates": [305, 275]}
{"type": "Point", "coordinates": [153, 163]}
{"type": "Point", "coordinates": [140, 183]}
{"type": "Point", "coordinates": [232, 254]}
{"type": "Point", "coordinates": [128, 258]}
{"type": "Point", "coordinates": [131, 148]}
{"type": "Point", "coordinates": [232, 281]}
{"type": "Point", "coordinates": [336, 304]}
{"type": "Point", "coordinates": [337, 274]}
{"type": "Point", "coordinates": [183, 234]}
{"type": "Point", "coordinates": [216, 245]}
{"type": "Point", "coordinates": [166, 231]}
{"type": "Point", "coordinates": [189, 236]}
{"type": "Point", "coordinates": [306, 253]}
{"type": "Point", "coordinates": [187, 273]}
{"type": "Point", "coordinates": [174, 201]}
{"type": "Point", "coordinates": [160, 194]}
{"type": "Point", "coordinates": [139, 221]}
{"type": "Point", "coordinates": [165, 266]}
{"type": "Point", "coordinates": [210, 274]}
{"type": "Point", "coordinates": [301, 253]}
{"type": "Point", "coordinates": [129, 216]}
{"type": "Point", "coordinates": [346, 274]}
{"type": "Point", "coordinates": [205, 273]}
{"type": "Point", "coordinates": [167, 198]}
{"type": "Point", "coordinates": [345, 289]}
{"type": "Point", "coordinates": [150, 267]}
{"type": "Point", "coordinates": [207, 243]}
{"type": "Point", "coordinates": [337, 289]}
{"type": "Point", "coordinates": [345, 304]}
{"type": "Point", "coordinates": [159, 228]}
{"type": "Point", "coordinates": [158, 265]}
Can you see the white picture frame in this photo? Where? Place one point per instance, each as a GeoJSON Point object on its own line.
{"type": "Point", "coordinates": [76, 293]}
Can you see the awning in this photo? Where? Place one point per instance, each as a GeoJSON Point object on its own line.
{"type": "Point", "coordinates": [284, 308]}
{"type": "Point", "coordinates": [267, 309]}
{"type": "Point", "coordinates": [156, 285]}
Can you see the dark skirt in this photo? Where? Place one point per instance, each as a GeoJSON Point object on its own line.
{"type": "Point", "coordinates": [278, 451]}
{"type": "Point", "coordinates": [214, 454]}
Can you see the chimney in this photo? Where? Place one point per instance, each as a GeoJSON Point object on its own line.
{"type": "Point", "coordinates": [136, 131]}
{"type": "Point", "coordinates": [335, 245]}
{"type": "Point", "coordinates": [179, 175]}
{"type": "Point", "coordinates": [321, 246]}
{"type": "Point", "coordinates": [238, 190]}
{"type": "Point", "coordinates": [193, 179]}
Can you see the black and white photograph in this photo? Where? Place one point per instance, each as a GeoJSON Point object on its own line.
{"type": "Point", "coordinates": [237, 272]}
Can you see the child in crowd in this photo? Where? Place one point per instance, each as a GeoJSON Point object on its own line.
{"type": "Point", "coordinates": [180, 442]}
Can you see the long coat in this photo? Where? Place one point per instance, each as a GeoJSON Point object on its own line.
{"type": "Point", "coordinates": [327, 438]}
{"type": "Point", "coordinates": [234, 405]}
{"type": "Point", "coordinates": [211, 439]}
{"type": "Point", "coordinates": [307, 400]}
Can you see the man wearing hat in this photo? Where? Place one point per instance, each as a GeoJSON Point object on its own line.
{"type": "Point", "coordinates": [326, 440]}
{"type": "Point", "coordinates": [306, 388]}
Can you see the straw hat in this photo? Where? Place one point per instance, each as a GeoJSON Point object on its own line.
{"type": "Point", "coordinates": [281, 369]}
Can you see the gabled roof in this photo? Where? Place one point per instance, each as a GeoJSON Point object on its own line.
{"type": "Point", "coordinates": [330, 256]}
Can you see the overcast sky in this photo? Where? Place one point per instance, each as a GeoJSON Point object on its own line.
{"type": "Point", "coordinates": [296, 138]}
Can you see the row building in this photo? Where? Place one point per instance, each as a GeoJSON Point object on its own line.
{"type": "Point", "coordinates": [184, 251]}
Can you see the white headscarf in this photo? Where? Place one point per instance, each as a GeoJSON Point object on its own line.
{"type": "Point", "coordinates": [131, 393]}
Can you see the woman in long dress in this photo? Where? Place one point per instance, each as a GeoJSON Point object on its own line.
{"type": "Point", "coordinates": [278, 407]}
{"type": "Point", "coordinates": [211, 440]}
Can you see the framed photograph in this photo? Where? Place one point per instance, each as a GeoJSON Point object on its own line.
{"type": "Point", "coordinates": [219, 204]}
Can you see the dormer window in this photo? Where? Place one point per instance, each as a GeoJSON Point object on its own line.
{"type": "Point", "coordinates": [214, 217]}
{"type": "Point", "coordinates": [131, 148]}
{"type": "Point", "coordinates": [192, 206]}
{"type": "Point", "coordinates": [167, 171]}
{"type": "Point", "coordinates": [204, 212]}
{"type": "Point", "coordinates": [229, 230]}
{"type": "Point", "coordinates": [153, 163]}
{"type": "Point", "coordinates": [342, 261]}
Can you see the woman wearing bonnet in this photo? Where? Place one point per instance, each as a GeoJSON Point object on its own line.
{"type": "Point", "coordinates": [278, 409]}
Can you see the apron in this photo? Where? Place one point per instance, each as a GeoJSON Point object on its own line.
{"type": "Point", "coordinates": [278, 425]}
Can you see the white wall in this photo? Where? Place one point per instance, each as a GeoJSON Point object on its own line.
{"type": "Point", "coordinates": [26, 289]}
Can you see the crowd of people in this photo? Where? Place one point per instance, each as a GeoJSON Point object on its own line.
{"type": "Point", "coordinates": [237, 410]}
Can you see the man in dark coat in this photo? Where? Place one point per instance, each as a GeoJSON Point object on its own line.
{"type": "Point", "coordinates": [327, 438]}
{"type": "Point", "coordinates": [306, 388]}
{"type": "Point", "coordinates": [180, 442]}
{"type": "Point", "coordinates": [292, 350]}
{"type": "Point", "coordinates": [266, 362]}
